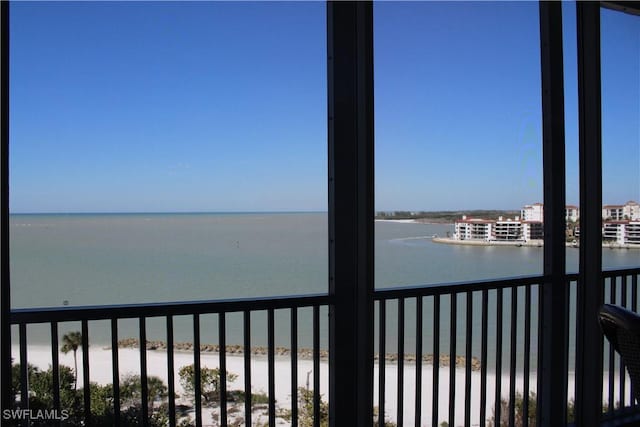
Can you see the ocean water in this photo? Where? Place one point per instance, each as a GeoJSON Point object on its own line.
{"type": "Point", "coordinates": [136, 258]}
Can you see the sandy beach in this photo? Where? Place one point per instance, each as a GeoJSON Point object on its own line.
{"type": "Point", "coordinates": [129, 361]}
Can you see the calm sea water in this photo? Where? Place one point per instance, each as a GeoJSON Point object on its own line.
{"type": "Point", "coordinates": [132, 258]}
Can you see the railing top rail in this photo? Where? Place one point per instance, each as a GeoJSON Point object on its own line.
{"type": "Point", "coordinates": [611, 272]}
{"type": "Point", "coordinates": [103, 312]}
{"type": "Point", "coordinates": [456, 287]}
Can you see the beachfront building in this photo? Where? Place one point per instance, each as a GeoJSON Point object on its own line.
{"type": "Point", "coordinates": [571, 213]}
{"type": "Point", "coordinates": [532, 230]}
{"type": "Point", "coordinates": [613, 212]}
{"type": "Point", "coordinates": [500, 230]}
{"type": "Point", "coordinates": [473, 229]}
{"type": "Point", "coordinates": [633, 233]}
{"type": "Point", "coordinates": [631, 210]}
{"type": "Point", "coordinates": [614, 231]}
{"type": "Point", "coordinates": [507, 230]}
{"type": "Point", "coordinates": [534, 212]}
{"type": "Point", "coordinates": [621, 232]}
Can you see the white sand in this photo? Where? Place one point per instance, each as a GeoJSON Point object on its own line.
{"type": "Point", "coordinates": [129, 363]}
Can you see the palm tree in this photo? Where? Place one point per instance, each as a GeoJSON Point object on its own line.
{"type": "Point", "coordinates": [71, 342]}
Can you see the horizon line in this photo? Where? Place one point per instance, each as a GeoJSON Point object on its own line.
{"type": "Point", "coordinates": [166, 212]}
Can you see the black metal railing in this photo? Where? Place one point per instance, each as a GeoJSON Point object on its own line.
{"type": "Point", "coordinates": [476, 327]}
{"type": "Point", "coordinates": [169, 311]}
{"type": "Point", "coordinates": [480, 340]}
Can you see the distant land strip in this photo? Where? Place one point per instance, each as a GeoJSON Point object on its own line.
{"type": "Point", "coordinates": [303, 353]}
{"type": "Point", "coordinates": [446, 217]}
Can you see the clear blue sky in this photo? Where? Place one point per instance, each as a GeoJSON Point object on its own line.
{"type": "Point", "coordinates": [122, 106]}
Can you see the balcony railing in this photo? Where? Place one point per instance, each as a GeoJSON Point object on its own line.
{"type": "Point", "coordinates": [484, 335]}
{"type": "Point", "coordinates": [194, 310]}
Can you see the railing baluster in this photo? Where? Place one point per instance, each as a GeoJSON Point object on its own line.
{"type": "Point", "coordinates": [247, 367]}
{"type": "Point", "coordinates": [467, 373]}
{"type": "Point", "coordinates": [452, 359]}
{"type": "Point", "coordinates": [623, 302]}
{"type": "Point", "coordinates": [612, 355]}
{"type": "Point", "coordinates": [436, 360]}
{"type": "Point", "coordinates": [115, 371]}
{"type": "Point", "coordinates": [24, 370]}
{"type": "Point", "coordinates": [144, 385]}
{"type": "Point", "coordinates": [382, 358]}
{"type": "Point", "coordinates": [634, 307]}
{"type": "Point", "coordinates": [498, 399]}
{"type": "Point", "coordinates": [316, 366]}
{"type": "Point", "coordinates": [222, 337]}
{"type": "Point", "coordinates": [294, 367]}
{"type": "Point", "coordinates": [55, 368]}
{"type": "Point", "coordinates": [196, 368]}
{"type": "Point", "coordinates": [171, 373]}
{"type": "Point", "coordinates": [271, 367]}
{"type": "Point", "coordinates": [512, 362]}
{"type": "Point", "coordinates": [85, 372]}
{"type": "Point", "coordinates": [634, 292]}
{"type": "Point", "coordinates": [527, 351]}
{"type": "Point", "coordinates": [483, 358]}
{"type": "Point", "coordinates": [418, 409]}
{"type": "Point", "coordinates": [400, 390]}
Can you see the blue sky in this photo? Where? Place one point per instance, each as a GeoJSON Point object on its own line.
{"type": "Point", "coordinates": [123, 106]}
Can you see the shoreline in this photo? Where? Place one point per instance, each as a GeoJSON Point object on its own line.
{"type": "Point", "coordinates": [519, 243]}
{"type": "Point", "coordinates": [303, 353]}
{"type": "Point", "coordinates": [425, 221]}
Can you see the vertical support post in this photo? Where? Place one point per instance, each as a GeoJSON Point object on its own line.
{"type": "Point", "coordinates": [351, 240]}
{"type": "Point", "coordinates": [553, 348]}
{"type": "Point", "coordinates": [5, 300]}
{"type": "Point", "coordinates": [590, 285]}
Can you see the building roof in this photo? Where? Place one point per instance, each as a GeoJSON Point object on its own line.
{"type": "Point", "coordinates": [475, 221]}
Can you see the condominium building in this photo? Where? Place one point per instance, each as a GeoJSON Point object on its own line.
{"type": "Point", "coordinates": [621, 232]}
{"type": "Point", "coordinates": [535, 212]}
{"type": "Point", "coordinates": [613, 212]}
{"type": "Point", "coordinates": [632, 233]}
{"type": "Point", "coordinates": [621, 225]}
{"type": "Point", "coordinates": [613, 231]}
{"type": "Point", "coordinates": [473, 229]}
{"type": "Point", "coordinates": [631, 210]}
{"type": "Point", "coordinates": [571, 213]}
{"type": "Point", "coordinates": [507, 229]}
{"type": "Point", "coordinates": [532, 230]}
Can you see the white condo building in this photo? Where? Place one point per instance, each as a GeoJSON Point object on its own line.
{"type": "Point", "coordinates": [612, 212]}
{"type": "Point", "coordinates": [621, 225]}
{"type": "Point", "coordinates": [535, 212]}
{"type": "Point", "coordinates": [473, 229]}
{"type": "Point", "coordinates": [571, 213]}
{"type": "Point", "coordinates": [622, 232]}
{"type": "Point", "coordinates": [500, 230]}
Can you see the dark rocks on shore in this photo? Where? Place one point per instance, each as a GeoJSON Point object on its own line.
{"type": "Point", "coordinates": [303, 353]}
